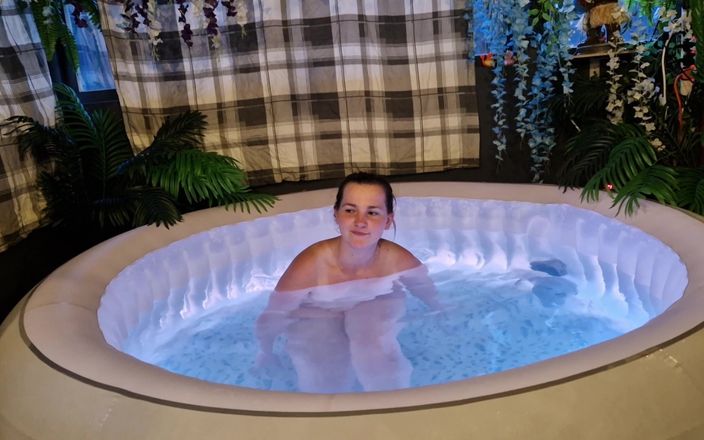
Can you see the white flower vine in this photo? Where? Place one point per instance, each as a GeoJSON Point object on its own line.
{"type": "Point", "coordinates": [153, 25]}
{"type": "Point", "coordinates": [673, 23]}
{"type": "Point", "coordinates": [197, 14]}
{"type": "Point", "coordinates": [241, 18]}
{"type": "Point", "coordinates": [614, 103]}
{"type": "Point", "coordinates": [643, 90]}
{"type": "Point", "coordinates": [48, 14]}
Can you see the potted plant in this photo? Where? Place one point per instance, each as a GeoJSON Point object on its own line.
{"type": "Point", "coordinates": [94, 182]}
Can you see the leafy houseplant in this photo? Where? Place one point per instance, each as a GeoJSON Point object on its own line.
{"type": "Point", "coordinates": [93, 181]}
{"type": "Point", "coordinates": [648, 142]}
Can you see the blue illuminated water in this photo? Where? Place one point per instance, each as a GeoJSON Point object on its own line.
{"type": "Point", "coordinates": [490, 323]}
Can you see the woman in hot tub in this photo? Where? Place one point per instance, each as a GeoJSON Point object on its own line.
{"type": "Point", "coordinates": [341, 299]}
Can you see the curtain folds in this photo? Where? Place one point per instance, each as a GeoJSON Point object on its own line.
{"type": "Point", "coordinates": [310, 89]}
{"type": "Point", "coordinates": [25, 89]}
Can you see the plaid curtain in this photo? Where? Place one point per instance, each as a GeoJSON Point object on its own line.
{"type": "Point", "coordinates": [25, 88]}
{"type": "Point", "coordinates": [310, 89]}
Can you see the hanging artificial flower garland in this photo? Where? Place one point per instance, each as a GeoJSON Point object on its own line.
{"type": "Point", "coordinates": [514, 29]}
{"type": "Point", "coordinates": [53, 28]}
{"type": "Point", "coordinates": [552, 45]}
{"type": "Point", "coordinates": [492, 21]}
{"type": "Point", "coordinates": [204, 12]}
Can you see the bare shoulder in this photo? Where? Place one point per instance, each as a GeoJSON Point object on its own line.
{"type": "Point", "coordinates": [303, 270]}
{"type": "Point", "coordinates": [397, 258]}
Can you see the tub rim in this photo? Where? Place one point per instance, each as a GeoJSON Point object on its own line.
{"type": "Point", "coordinates": [49, 303]}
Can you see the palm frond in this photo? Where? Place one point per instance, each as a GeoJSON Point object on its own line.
{"type": "Point", "coordinates": [64, 195]}
{"type": "Point", "coordinates": [589, 98]}
{"type": "Point", "coordinates": [657, 181]}
{"type": "Point", "coordinates": [585, 154]}
{"type": "Point", "coordinates": [136, 206]}
{"type": "Point", "coordinates": [112, 148]}
{"type": "Point", "coordinates": [627, 159]}
{"type": "Point", "coordinates": [691, 189]}
{"type": "Point", "coordinates": [246, 200]}
{"type": "Point", "coordinates": [154, 205]}
{"type": "Point", "coordinates": [74, 118]}
{"type": "Point", "coordinates": [17, 125]}
{"type": "Point", "coordinates": [198, 175]}
{"type": "Point", "coordinates": [44, 143]}
{"type": "Point", "coordinates": [61, 178]}
{"type": "Point", "coordinates": [113, 211]}
{"type": "Point", "coordinates": [183, 131]}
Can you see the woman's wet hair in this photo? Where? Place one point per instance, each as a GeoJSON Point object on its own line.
{"type": "Point", "coordinates": [367, 179]}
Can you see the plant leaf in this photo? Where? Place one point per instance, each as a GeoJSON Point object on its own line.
{"type": "Point", "coordinates": [154, 205]}
{"type": "Point", "coordinates": [658, 181]}
{"type": "Point", "coordinates": [691, 189]}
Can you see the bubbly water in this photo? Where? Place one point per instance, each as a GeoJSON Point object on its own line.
{"type": "Point", "coordinates": [518, 283]}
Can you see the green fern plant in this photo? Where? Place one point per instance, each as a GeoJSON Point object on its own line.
{"type": "Point", "coordinates": [691, 193]}
{"type": "Point", "coordinates": [92, 179]}
{"type": "Point", "coordinates": [619, 158]}
{"type": "Point", "coordinates": [585, 154]}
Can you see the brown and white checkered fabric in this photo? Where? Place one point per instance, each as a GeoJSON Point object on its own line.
{"type": "Point", "coordinates": [313, 89]}
{"type": "Point", "coordinates": [25, 89]}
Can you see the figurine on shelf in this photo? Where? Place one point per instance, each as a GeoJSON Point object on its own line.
{"type": "Point", "coordinates": [602, 21]}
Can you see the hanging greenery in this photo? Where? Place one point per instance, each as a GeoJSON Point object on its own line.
{"type": "Point", "coordinates": [51, 23]}
{"type": "Point", "coordinates": [518, 48]}
{"type": "Point", "coordinates": [646, 142]}
{"type": "Point", "coordinates": [137, 16]}
{"type": "Point", "coordinates": [496, 15]}
{"type": "Point", "coordinates": [516, 30]}
{"type": "Point", "coordinates": [647, 8]}
{"type": "Point", "coordinates": [553, 58]}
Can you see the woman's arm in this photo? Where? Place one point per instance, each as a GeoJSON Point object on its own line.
{"type": "Point", "coordinates": [272, 322]}
{"type": "Point", "coordinates": [420, 285]}
{"type": "Point", "coordinates": [290, 291]}
{"type": "Point", "coordinates": [276, 317]}
{"type": "Point", "coordinates": [414, 275]}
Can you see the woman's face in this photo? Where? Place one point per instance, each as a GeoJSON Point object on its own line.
{"type": "Point", "coordinates": [362, 216]}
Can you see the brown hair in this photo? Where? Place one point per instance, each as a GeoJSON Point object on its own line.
{"type": "Point", "coordinates": [366, 179]}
